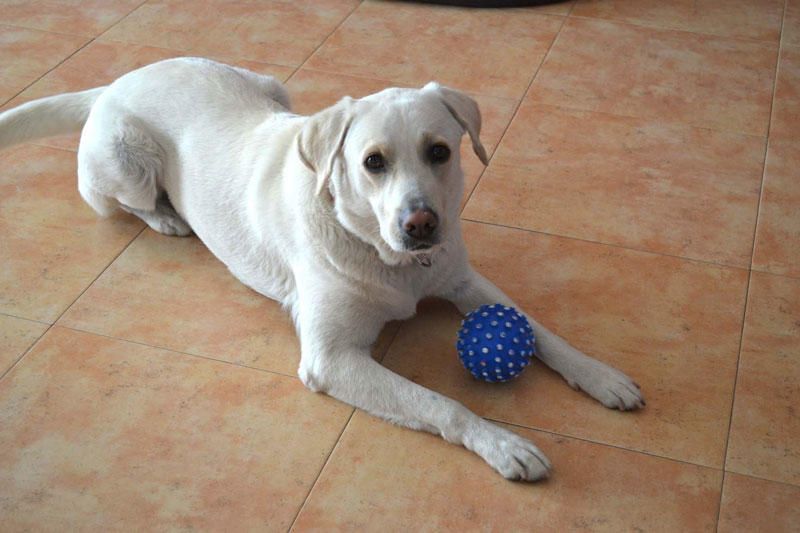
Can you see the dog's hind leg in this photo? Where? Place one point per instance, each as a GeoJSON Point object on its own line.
{"type": "Point", "coordinates": [120, 168]}
{"type": "Point", "coordinates": [163, 218]}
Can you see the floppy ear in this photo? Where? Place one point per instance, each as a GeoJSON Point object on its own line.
{"type": "Point", "coordinates": [321, 140]}
{"type": "Point", "coordinates": [465, 110]}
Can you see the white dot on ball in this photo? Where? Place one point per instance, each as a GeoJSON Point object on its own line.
{"type": "Point", "coordinates": [497, 359]}
{"type": "Point", "coordinates": [499, 346]}
{"type": "Point", "coordinates": [483, 363]}
{"type": "Point", "coordinates": [474, 340]}
{"type": "Point", "coordinates": [508, 324]}
{"type": "Point", "coordinates": [516, 340]}
{"type": "Point", "coordinates": [488, 335]}
{"type": "Point", "coordinates": [515, 317]}
{"type": "Point", "coordinates": [511, 352]}
{"type": "Point", "coordinates": [493, 322]}
{"type": "Point", "coordinates": [500, 313]}
{"type": "Point", "coordinates": [497, 369]}
{"type": "Point", "coordinates": [470, 364]}
{"type": "Point", "coordinates": [484, 314]}
{"type": "Point", "coordinates": [485, 350]}
{"type": "Point", "coordinates": [471, 352]}
{"type": "Point", "coordinates": [502, 335]}
{"type": "Point", "coordinates": [507, 308]}
{"type": "Point", "coordinates": [512, 373]}
{"type": "Point", "coordinates": [492, 306]}
{"type": "Point", "coordinates": [478, 326]}
{"type": "Point", "coordinates": [523, 364]}
{"type": "Point", "coordinates": [485, 374]}
{"type": "Point", "coordinates": [510, 365]}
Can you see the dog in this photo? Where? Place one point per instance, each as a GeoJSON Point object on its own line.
{"type": "Point", "coordinates": [347, 218]}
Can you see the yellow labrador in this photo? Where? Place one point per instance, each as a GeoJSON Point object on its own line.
{"type": "Point", "coordinates": [348, 218]}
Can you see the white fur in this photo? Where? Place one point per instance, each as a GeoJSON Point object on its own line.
{"type": "Point", "coordinates": [285, 202]}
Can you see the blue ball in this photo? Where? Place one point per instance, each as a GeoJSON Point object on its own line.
{"type": "Point", "coordinates": [495, 343]}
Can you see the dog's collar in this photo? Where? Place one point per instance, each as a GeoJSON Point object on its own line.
{"type": "Point", "coordinates": [423, 259]}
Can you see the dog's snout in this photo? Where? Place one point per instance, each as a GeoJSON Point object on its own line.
{"type": "Point", "coordinates": [419, 223]}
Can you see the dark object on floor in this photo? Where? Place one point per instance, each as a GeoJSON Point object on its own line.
{"type": "Point", "coordinates": [489, 3]}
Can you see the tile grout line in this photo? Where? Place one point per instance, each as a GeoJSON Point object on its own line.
{"type": "Point", "coordinates": [519, 105]}
{"type": "Point", "coordinates": [611, 245]}
{"type": "Point", "coordinates": [750, 270]}
{"type": "Point", "coordinates": [87, 43]}
{"type": "Point", "coordinates": [325, 40]}
{"type": "Point", "coordinates": [675, 30]}
{"type": "Point", "coordinates": [19, 360]}
{"type": "Point", "coordinates": [173, 350]}
{"type": "Point", "coordinates": [321, 470]}
{"type": "Point", "coordinates": [398, 82]}
{"type": "Point", "coordinates": [768, 480]}
{"type": "Point", "coordinates": [339, 439]}
{"type": "Point", "coordinates": [35, 320]}
{"type": "Point", "coordinates": [98, 33]}
{"type": "Point", "coordinates": [128, 14]}
{"type": "Point", "coordinates": [606, 444]}
{"type": "Point", "coordinates": [733, 395]}
{"type": "Point", "coordinates": [766, 147]}
{"type": "Point", "coordinates": [28, 86]}
{"type": "Point", "coordinates": [50, 325]}
{"type": "Point", "coordinates": [669, 122]}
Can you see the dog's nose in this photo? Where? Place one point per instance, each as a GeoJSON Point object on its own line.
{"type": "Point", "coordinates": [420, 223]}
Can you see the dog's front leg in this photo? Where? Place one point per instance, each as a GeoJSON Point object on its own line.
{"type": "Point", "coordinates": [336, 360]}
{"type": "Point", "coordinates": [608, 385]}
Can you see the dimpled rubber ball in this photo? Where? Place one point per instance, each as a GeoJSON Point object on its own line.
{"type": "Point", "coordinates": [495, 343]}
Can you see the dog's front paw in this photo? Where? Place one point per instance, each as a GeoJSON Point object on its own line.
{"type": "Point", "coordinates": [609, 386]}
{"type": "Point", "coordinates": [512, 456]}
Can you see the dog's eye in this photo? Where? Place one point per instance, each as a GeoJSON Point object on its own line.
{"type": "Point", "coordinates": [375, 163]}
{"type": "Point", "coordinates": [439, 153]}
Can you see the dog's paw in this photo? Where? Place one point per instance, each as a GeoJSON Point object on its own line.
{"type": "Point", "coordinates": [609, 386]}
{"type": "Point", "coordinates": [512, 456]}
{"type": "Point", "coordinates": [170, 225]}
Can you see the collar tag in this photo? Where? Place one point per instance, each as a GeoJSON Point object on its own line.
{"type": "Point", "coordinates": [423, 259]}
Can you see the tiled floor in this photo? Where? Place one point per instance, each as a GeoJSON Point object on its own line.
{"type": "Point", "coordinates": [643, 200]}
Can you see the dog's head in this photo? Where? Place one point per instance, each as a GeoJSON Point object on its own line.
{"type": "Point", "coordinates": [391, 162]}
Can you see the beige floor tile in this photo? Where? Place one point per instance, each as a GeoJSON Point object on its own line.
{"type": "Point", "coordinates": [282, 32]}
{"type": "Point", "coordinates": [748, 19]}
{"type": "Point", "coordinates": [672, 76]}
{"type": "Point", "coordinates": [750, 504]}
{"type": "Point", "coordinates": [381, 477]}
{"type": "Point", "coordinates": [16, 336]}
{"type": "Point", "coordinates": [172, 292]}
{"type": "Point", "coordinates": [312, 91]}
{"type": "Point", "coordinates": [26, 54]}
{"type": "Point", "coordinates": [785, 123]}
{"type": "Point", "coordinates": [87, 17]}
{"type": "Point", "coordinates": [52, 245]}
{"type": "Point", "coordinates": [765, 428]}
{"type": "Point", "coordinates": [411, 44]}
{"type": "Point", "coordinates": [100, 63]}
{"type": "Point", "coordinates": [652, 317]}
{"type": "Point", "coordinates": [104, 434]}
{"type": "Point", "coordinates": [638, 183]}
{"type": "Point", "coordinates": [777, 247]}
{"type": "Point", "coordinates": [791, 24]}
{"type": "Point", "coordinates": [557, 8]}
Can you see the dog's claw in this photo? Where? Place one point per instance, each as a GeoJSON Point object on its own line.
{"type": "Point", "coordinates": [609, 386]}
{"type": "Point", "coordinates": [512, 456]}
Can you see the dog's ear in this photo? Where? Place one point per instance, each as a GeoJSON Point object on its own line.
{"type": "Point", "coordinates": [321, 140]}
{"type": "Point", "coordinates": [465, 110]}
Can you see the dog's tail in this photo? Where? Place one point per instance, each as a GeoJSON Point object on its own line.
{"type": "Point", "coordinates": [54, 115]}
